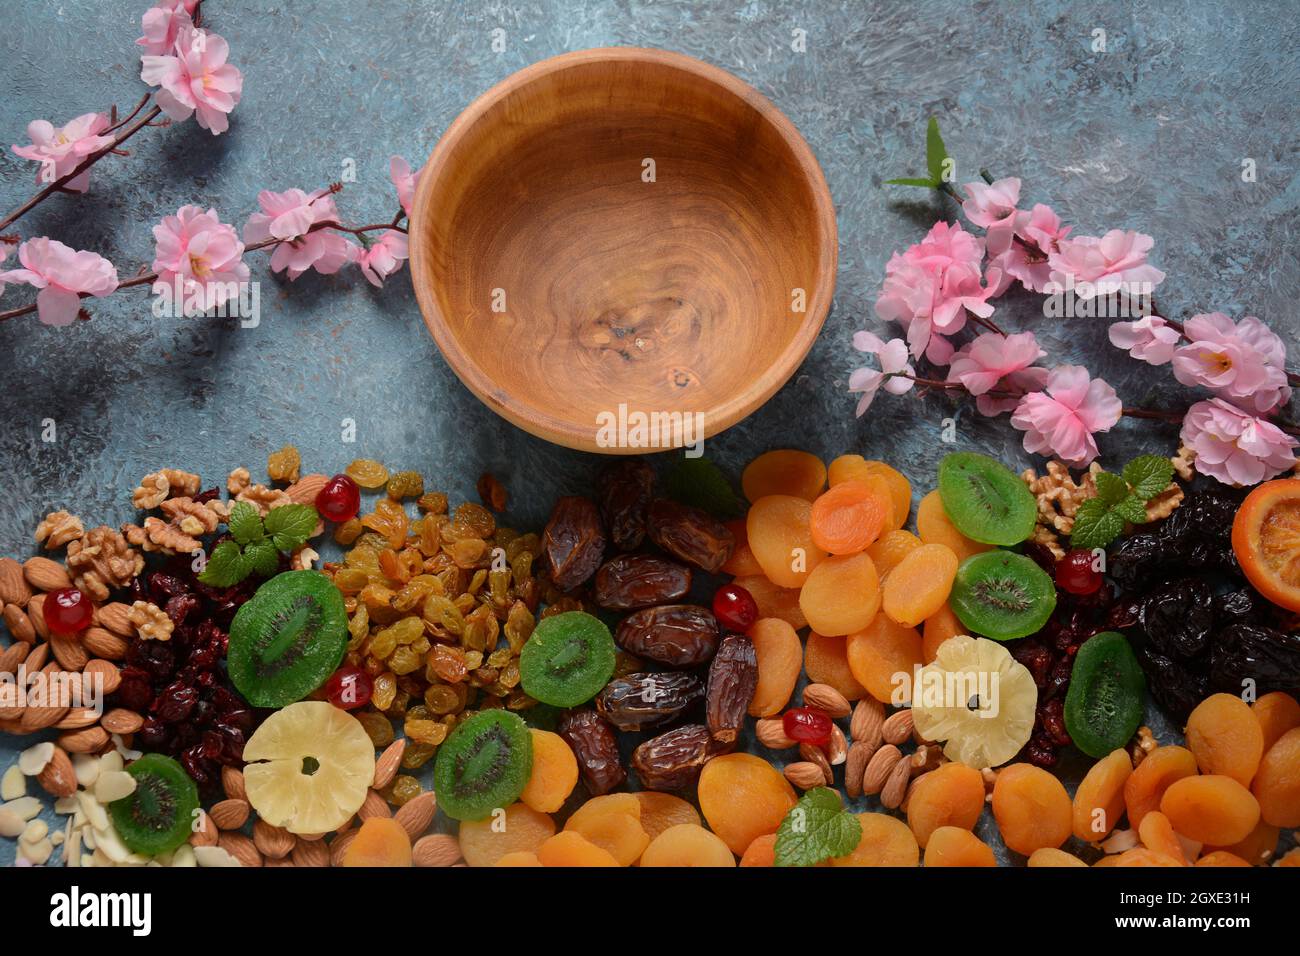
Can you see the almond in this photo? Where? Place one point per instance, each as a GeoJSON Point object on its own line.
{"type": "Point", "coordinates": [274, 843]}
{"type": "Point", "coordinates": [895, 788]}
{"type": "Point", "coordinates": [770, 732]}
{"type": "Point", "coordinates": [69, 652]}
{"type": "Point", "coordinates": [305, 489]}
{"type": "Point", "coordinates": [115, 617]}
{"type": "Point", "coordinates": [37, 657]}
{"type": "Point", "coordinates": [229, 814]}
{"type": "Point", "coordinates": [268, 862]}
{"type": "Point", "coordinates": [36, 614]}
{"type": "Point", "coordinates": [416, 815]}
{"type": "Point", "coordinates": [879, 767]}
{"type": "Point", "coordinates": [119, 720]}
{"type": "Point", "coordinates": [826, 699]}
{"type": "Point", "coordinates": [38, 718]}
{"type": "Point", "coordinates": [232, 782]}
{"type": "Point", "coordinates": [868, 717]}
{"type": "Point", "coordinates": [388, 763]}
{"type": "Point", "coordinates": [374, 806]}
{"type": "Point", "coordinates": [14, 588]}
{"type": "Point", "coordinates": [58, 777]}
{"type": "Point", "coordinates": [436, 849]}
{"type": "Point", "coordinates": [816, 755]}
{"type": "Point", "coordinates": [19, 624]}
{"type": "Point", "coordinates": [855, 765]}
{"type": "Point", "coordinates": [91, 740]}
{"type": "Point", "coordinates": [103, 643]}
{"type": "Point", "coordinates": [44, 574]}
{"type": "Point", "coordinates": [241, 848]}
{"type": "Point", "coordinates": [78, 718]}
{"type": "Point", "coordinates": [897, 728]}
{"type": "Point", "coordinates": [106, 671]}
{"type": "Point", "coordinates": [12, 656]}
{"type": "Point", "coordinates": [339, 846]}
{"type": "Point", "coordinates": [204, 831]}
{"type": "Point", "coordinates": [805, 775]}
{"type": "Point", "coordinates": [838, 748]}
{"type": "Point", "coordinates": [310, 853]}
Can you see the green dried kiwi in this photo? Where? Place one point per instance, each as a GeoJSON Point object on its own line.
{"type": "Point", "coordinates": [568, 659]}
{"type": "Point", "coordinates": [985, 500]}
{"type": "Point", "coordinates": [159, 816]}
{"type": "Point", "coordinates": [483, 764]}
{"type": "Point", "coordinates": [1103, 706]}
{"type": "Point", "coordinates": [1002, 595]}
{"type": "Point", "coordinates": [287, 639]}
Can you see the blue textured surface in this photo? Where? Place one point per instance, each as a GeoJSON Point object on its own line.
{"type": "Point", "coordinates": [1148, 135]}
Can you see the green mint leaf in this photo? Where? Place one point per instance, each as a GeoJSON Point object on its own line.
{"type": "Point", "coordinates": [1132, 509]}
{"type": "Point", "coordinates": [1111, 489]}
{"type": "Point", "coordinates": [1149, 475]}
{"type": "Point", "coordinates": [935, 152]}
{"type": "Point", "coordinates": [1095, 525]}
{"type": "Point", "coordinates": [910, 181]}
{"type": "Point", "coordinates": [700, 483]}
{"type": "Point", "coordinates": [816, 828]}
{"type": "Point", "coordinates": [262, 558]}
{"type": "Point", "coordinates": [291, 525]}
{"type": "Point", "coordinates": [245, 523]}
{"type": "Point", "coordinates": [226, 566]}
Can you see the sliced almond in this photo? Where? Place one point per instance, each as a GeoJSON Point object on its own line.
{"type": "Point", "coordinates": [826, 699]}
{"type": "Point", "coordinates": [33, 760]}
{"type": "Point", "coordinates": [214, 856]}
{"type": "Point", "coordinates": [86, 768]}
{"type": "Point", "coordinates": [14, 783]}
{"type": "Point", "coordinates": [436, 849]}
{"type": "Point", "coordinates": [114, 785]}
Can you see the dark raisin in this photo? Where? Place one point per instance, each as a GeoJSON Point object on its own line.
{"type": "Point", "coordinates": [678, 635]}
{"type": "Point", "coordinates": [639, 580]}
{"type": "Point", "coordinates": [673, 761]}
{"type": "Point", "coordinates": [690, 534]}
{"type": "Point", "coordinates": [1178, 618]}
{"type": "Point", "coordinates": [1136, 558]}
{"type": "Point", "coordinates": [624, 489]}
{"type": "Point", "coordinates": [639, 701]}
{"type": "Point", "coordinates": [593, 743]}
{"type": "Point", "coordinates": [733, 677]}
{"type": "Point", "coordinates": [574, 542]}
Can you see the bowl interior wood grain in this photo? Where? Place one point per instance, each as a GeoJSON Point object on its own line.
{"type": "Point", "coordinates": [622, 226]}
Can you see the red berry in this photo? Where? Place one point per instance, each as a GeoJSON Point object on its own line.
{"type": "Point", "coordinates": [349, 688]}
{"type": "Point", "coordinates": [339, 500]}
{"type": "Point", "coordinates": [67, 611]}
{"type": "Point", "coordinates": [807, 725]}
{"type": "Point", "coordinates": [735, 608]}
{"type": "Point", "coordinates": [1075, 572]}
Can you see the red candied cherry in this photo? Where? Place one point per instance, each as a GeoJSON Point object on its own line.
{"type": "Point", "coordinates": [339, 500]}
{"type": "Point", "coordinates": [349, 688]}
{"type": "Point", "coordinates": [807, 725]}
{"type": "Point", "coordinates": [67, 611]}
{"type": "Point", "coordinates": [735, 607]}
{"type": "Point", "coordinates": [1076, 573]}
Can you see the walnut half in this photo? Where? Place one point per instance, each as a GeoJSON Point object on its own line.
{"type": "Point", "coordinates": [157, 487]}
{"type": "Point", "coordinates": [58, 528]}
{"type": "Point", "coordinates": [102, 560]}
{"type": "Point", "coordinates": [151, 622]}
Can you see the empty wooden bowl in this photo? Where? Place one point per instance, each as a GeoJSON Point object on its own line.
{"type": "Point", "coordinates": [622, 228]}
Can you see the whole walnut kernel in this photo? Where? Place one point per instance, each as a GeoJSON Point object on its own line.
{"type": "Point", "coordinates": [195, 518]}
{"type": "Point", "coordinates": [58, 528]}
{"type": "Point", "coordinates": [239, 480]}
{"type": "Point", "coordinates": [151, 622]}
{"type": "Point", "coordinates": [102, 560]}
{"type": "Point", "coordinates": [158, 486]}
{"type": "Point", "coordinates": [263, 497]}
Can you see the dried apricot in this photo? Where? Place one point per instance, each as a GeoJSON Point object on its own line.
{"type": "Point", "coordinates": [1099, 798]}
{"type": "Point", "coordinates": [1221, 858]}
{"type": "Point", "coordinates": [554, 773]}
{"type": "Point", "coordinates": [1211, 808]}
{"type": "Point", "coordinates": [886, 841]}
{"type": "Point", "coordinates": [1138, 856]}
{"type": "Point", "coordinates": [516, 828]}
{"type": "Point", "coordinates": [880, 652]}
{"type": "Point", "coordinates": [891, 548]}
{"type": "Point", "coordinates": [849, 517]}
{"type": "Point", "coordinates": [780, 537]}
{"type": "Point", "coordinates": [954, 846]}
{"type": "Point", "coordinates": [951, 796]}
{"type": "Point", "coordinates": [933, 526]}
{"type": "Point", "coordinates": [569, 848]}
{"type": "Point", "coordinates": [1050, 856]}
{"type": "Point", "coordinates": [762, 852]}
{"type": "Point", "coordinates": [613, 823]}
{"type": "Point", "coordinates": [900, 490]}
{"type": "Point", "coordinates": [1031, 807]}
{"type": "Point", "coordinates": [687, 845]}
{"type": "Point", "coordinates": [519, 858]}
{"type": "Point", "coordinates": [938, 627]}
{"type": "Point", "coordinates": [784, 472]}
{"type": "Point", "coordinates": [847, 468]}
{"type": "Point", "coordinates": [1277, 713]}
{"type": "Point", "coordinates": [1277, 785]}
{"type": "Point", "coordinates": [920, 585]}
{"type": "Point", "coordinates": [841, 595]}
{"type": "Point", "coordinates": [742, 562]}
{"type": "Point", "coordinates": [1157, 835]}
{"type": "Point", "coordinates": [826, 661]}
{"type": "Point", "coordinates": [774, 601]}
{"type": "Point", "coordinates": [659, 811]}
{"type": "Point", "coordinates": [1151, 778]}
{"type": "Point", "coordinates": [1225, 737]}
{"type": "Point", "coordinates": [780, 660]}
{"type": "Point", "coordinates": [743, 797]}
{"type": "Point", "coordinates": [381, 841]}
{"type": "Point", "coordinates": [1258, 847]}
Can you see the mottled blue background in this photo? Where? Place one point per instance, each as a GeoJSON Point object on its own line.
{"type": "Point", "coordinates": [1150, 134]}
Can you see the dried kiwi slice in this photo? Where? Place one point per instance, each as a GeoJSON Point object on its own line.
{"type": "Point", "coordinates": [287, 639]}
{"type": "Point", "coordinates": [484, 764]}
{"type": "Point", "coordinates": [1103, 706]}
{"type": "Point", "coordinates": [568, 659]}
{"type": "Point", "coordinates": [985, 500]}
{"type": "Point", "coordinates": [1002, 595]}
{"type": "Point", "coordinates": [159, 815]}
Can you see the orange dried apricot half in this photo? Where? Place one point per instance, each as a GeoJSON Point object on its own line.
{"type": "Point", "coordinates": [1277, 713]}
{"type": "Point", "coordinates": [849, 517]}
{"type": "Point", "coordinates": [920, 585]}
{"type": "Point", "coordinates": [886, 841]}
{"type": "Point", "coordinates": [659, 811]}
{"type": "Point", "coordinates": [955, 846]}
{"type": "Point", "coordinates": [1099, 798]}
{"type": "Point", "coordinates": [881, 652]}
{"type": "Point", "coordinates": [1050, 856]}
{"type": "Point", "coordinates": [1277, 785]}
{"type": "Point", "coordinates": [1211, 808]}
{"type": "Point", "coordinates": [891, 548]}
{"type": "Point", "coordinates": [521, 829]}
{"type": "Point", "coordinates": [1225, 737]}
{"type": "Point", "coordinates": [774, 601]}
{"type": "Point", "coordinates": [688, 844]}
{"type": "Point", "coordinates": [1151, 778]}
{"type": "Point", "coordinates": [951, 796]}
{"type": "Point", "coordinates": [781, 539]}
{"type": "Point", "coordinates": [554, 773]}
{"type": "Point", "coordinates": [780, 660]}
{"type": "Point", "coordinates": [784, 472]}
{"type": "Point", "coordinates": [743, 797]}
{"type": "Point", "coordinates": [613, 823]}
{"type": "Point", "coordinates": [381, 841]}
{"type": "Point", "coordinates": [841, 595]}
{"type": "Point", "coordinates": [826, 661]}
{"type": "Point", "coordinates": [938, 627]}
{"type": "Point", "coordinates": [1032, 809]}
{"type": "Point", "coordinates": [934, 527]}
{"type": "Point", "coordinates": [569, 848]}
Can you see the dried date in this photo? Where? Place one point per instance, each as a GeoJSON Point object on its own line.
{"type": "Point", "coordinates": [679, 635]}
{"type": "Point", "coordinates": [673, 761]}
{"type": "Point", "coordinates": [640, 580]}
{"type": "Point", "coordinates": [574, 541]}
{"type": "Point", "coordinates": [624, 490]}
{"type": "Point", "coordinates": [733, 677]}
{"type": "Point", "coordinates": [593, 743]}
{"type": "Point", "coordinates": [640, 701]}
{"type": "Point", "coordinates": [690, 534]}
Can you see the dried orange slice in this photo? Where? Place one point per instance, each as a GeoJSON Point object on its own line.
{"type": "Point", "coordinates": [1266, 540]}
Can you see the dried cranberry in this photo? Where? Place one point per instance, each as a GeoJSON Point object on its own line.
{"type": "Point", "coordinates": [180, 607]}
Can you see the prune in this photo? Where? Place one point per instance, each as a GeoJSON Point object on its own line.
{"type": "Point", "coordinates": [679, 635]}
{"type": "Point", "coordinates": [638, 701]}
{"type": "Point", "coordinates": [574, 541]}
{"type": "Point", "coordinates": [593, 743]}
{"type": "Point", "coordinates": [1236, 607]}
{"type": "Point", "coordinates": [640, 580]}
{"type": "Point", "coordinates": [1204, 514]}
{"type": "Point", "coordinates": [673, 761]}
{"type": "Point", "coordinates": [733, 677]}
{"type": "Point", "coordinates": [1176, 688]}
{"type": "Point", "coordinates": [1269, 660]}
{"type": "Point", "coordinates": [690, 534]}
{"type": "Point", "coordinates": [624, 490]}
{"type": "Point", "coordinates": [1136, 559]}
{"type": "Point", "coordinates": [1178, 618]}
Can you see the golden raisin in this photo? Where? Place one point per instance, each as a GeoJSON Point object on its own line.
{"type": "Point", "coordinates": [367, 473]}
{"type": "Point", "coordinates": [282, 466]}
{"type": "Point", "coordinates": [405, 484]}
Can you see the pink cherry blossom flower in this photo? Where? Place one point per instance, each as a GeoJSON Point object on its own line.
{"type": "Point", "coordinates": [893, 365]}
{"type": "Point", "coordinates": [1150, 339]}
{"type": "Point", "coordinates": [61, 149]}
{"type": "Point", "coordinates": [1243, 362]}
{"type": "Point", "coordinates": [288, 217]}
{"type": "Point", "coordinates": [195, 79]}
{"type": "Point", "coordinates": [63, 275]}
{"type": "Point", "coordinates": [1234, 446]}
{"type": "Point", "coordinates": [1062, 419]}
{"type": "Point", "coordinates": [203, 252]}
{"type": "Point", "coordinates": [162, 23]}
{"type": "Point", "coordinates": [1003, 363]}
{"type": "Point", "coordinates": [993, 207]}
{"type": "Point", "coordinates": [399, 171]}
{"type": "Point", "coordinates": [1040, 232]}
{"type": "Point", "coordinates": [1117, 262]}
{"type": "Point", "coordinates": [384, 257]}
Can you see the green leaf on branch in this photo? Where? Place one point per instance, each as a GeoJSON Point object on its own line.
{"type": "Point", "coordinates": [935, 153]}
{"type": "Point", "coordinates": [700, 483]}
{"type": "Point", "coordinates": [816, 828]}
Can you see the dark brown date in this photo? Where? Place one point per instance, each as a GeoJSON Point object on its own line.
{"type": "Point", "coordinates": [640, 580]}
{"type": "Point", "coordinates": [593, 743]}
{"type": "Point", "coordinates": [690, 534]}
{"type": "Point", "coordinates": [733, 676]}
{"type": "Point", "coordinates": [624, 490]}
{"type": "Point", "coordinates": [679, 635]}
{"type": "Point", "coordinates": [639, 701]}
{"type": "Point", "coordinates": [574, 541]}
{"type": "Point", "coordinates": [673, 761]}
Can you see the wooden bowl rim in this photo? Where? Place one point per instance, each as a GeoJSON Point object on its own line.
{"type": "Point", "coordinates": [583, 437]}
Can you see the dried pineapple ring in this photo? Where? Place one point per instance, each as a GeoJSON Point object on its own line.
{"type": "Point", "coordinates": [966, 670]}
